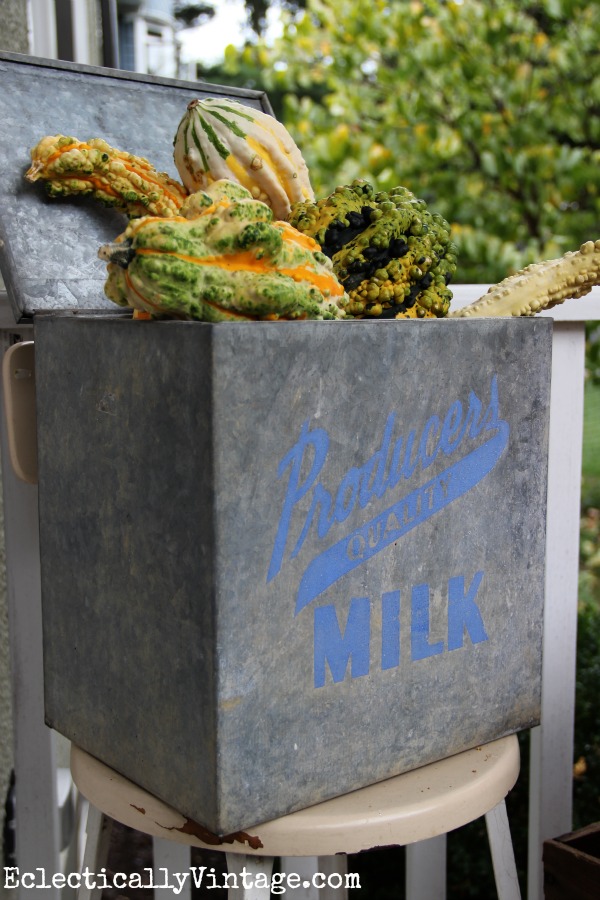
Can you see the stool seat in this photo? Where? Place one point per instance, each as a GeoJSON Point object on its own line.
{"type": "Point", "coordinates": [415, 806]}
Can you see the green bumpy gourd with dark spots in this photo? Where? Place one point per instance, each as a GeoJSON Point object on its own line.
{"type": "Point", "coordinates": [225, 258]}
{"type": "Point", "coordinates": [393, 256]}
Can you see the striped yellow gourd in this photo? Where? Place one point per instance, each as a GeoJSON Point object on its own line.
{"type": "Point", "coordinates": [222, 138]}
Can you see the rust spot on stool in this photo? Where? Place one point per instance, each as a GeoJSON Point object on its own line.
{"type": "Point", "coordinates": [208, 837]}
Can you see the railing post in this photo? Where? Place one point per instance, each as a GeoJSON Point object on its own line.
{"type": "Point", "coordinates": [551, 791]}
{"type": "Point", "coordinates": [36, 816]}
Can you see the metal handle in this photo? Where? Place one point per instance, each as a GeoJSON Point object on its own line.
{"type": "Point", "coordinates": [18, 377]}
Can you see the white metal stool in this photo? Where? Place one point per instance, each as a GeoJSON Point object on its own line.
{"type": "Point", "coordinates": [416, 806]}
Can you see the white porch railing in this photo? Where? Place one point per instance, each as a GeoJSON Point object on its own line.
{"type": "Point", "coordinates": [37, 825]}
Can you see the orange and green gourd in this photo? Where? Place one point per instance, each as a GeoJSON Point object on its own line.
{"type": "Point", "coordinates": [129, 183]}
{"type": "Point", "coordinates": [225, 258]}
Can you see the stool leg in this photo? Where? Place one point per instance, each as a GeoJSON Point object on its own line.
{"type": "Point", "coordinates": [249, 877]}
{"type": "Point", "coordinates": [503, 857]}
{"type": "Point", "coordinates": [426, 869]}
{"type": "Point", "coordinates": [97, 843]}
{"type": "Point", "coordinates": [169, 860]}
{"type": "Point", "coordinates": [330, 882]}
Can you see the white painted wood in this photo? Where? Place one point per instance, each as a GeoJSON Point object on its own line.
{"type": "Point", "coordinates": [68, 824]}
{"type": "Point", "coordinates": [140, 53]}
{"type": "Point", "coordinates": [426, 869]}
{"type": "Point", "coordinates": [552, 743]}
{"type": "Point", "coordinates": [170, 859]}
{"type": "Point", "coordinates": [82, 33]}
{"type": "Point", "coordinates": [95, 855]}
{"type": "Point", "coordinates": [42, 28]}
{"type": "Point", "coordinates": [36, 817]}
{"type": "Point", "coordinates": [503, 857]}
{"type": "Point", "coordinates": [315, 871]}
{"type": "Point", "coordinates": [252, 876]}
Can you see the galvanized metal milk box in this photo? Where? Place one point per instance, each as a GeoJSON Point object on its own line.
{"type": "Point", "coordinates": [281, 561]}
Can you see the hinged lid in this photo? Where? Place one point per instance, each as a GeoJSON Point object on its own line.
{"type": "Point", "coordinates": [48, 248]}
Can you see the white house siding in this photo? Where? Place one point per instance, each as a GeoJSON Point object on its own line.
{"type": "Point", "coordinates": [42, 29]}
{"type": "Point", "coordinates": [147, 38]}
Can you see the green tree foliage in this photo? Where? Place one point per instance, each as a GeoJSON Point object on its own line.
{"type": "Point", "coordinates": [257, 10]}
{"type": "Point", "coordinates": [487, 109]}
{"type": "Point", "coordinates": [189, 14]}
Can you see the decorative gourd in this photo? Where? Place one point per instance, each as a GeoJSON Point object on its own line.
{"type": "Point", "coordinates": [540, 286]}
{"type": "Point", "coordinates": [129, 183]}
{"type": "Point", "coordinates": [223, 139]}
{"type": "Point", "coordinates": [393, 256]}
{"type": "Point", "coordinates": [224, 258]}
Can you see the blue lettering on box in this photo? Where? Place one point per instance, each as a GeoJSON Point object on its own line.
{"type": "Point", "coordinates": [337, 649]}
{"type": "Point", "coordinates": [393, 464]}
{"type": "Point", "coordinates": [421, 626]}
{"type": "Point", "coordinates": [463, 613]}
{"type": "Point", "coordinates": [340, 649]}
{"type": "Point", "coordinates": [390, 630]}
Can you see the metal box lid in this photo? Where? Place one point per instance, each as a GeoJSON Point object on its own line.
{"type": "Point", "coordinates": [48, 248]}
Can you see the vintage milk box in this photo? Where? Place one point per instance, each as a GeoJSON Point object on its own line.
{"type": "Point", "coordinates": [280, 561]}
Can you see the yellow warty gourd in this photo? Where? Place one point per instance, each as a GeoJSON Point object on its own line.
{"type": "Point", "coordinates": [116, 178]}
